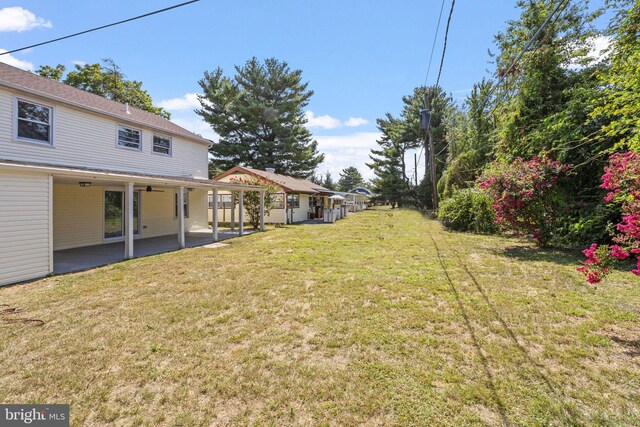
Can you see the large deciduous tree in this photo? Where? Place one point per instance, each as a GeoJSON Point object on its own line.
{"type": "Point", "coordinates": [619, 102]}
{"type": "Point", "coordinates": [106, 80]}
{"type": "Point", "coordinates": [259, 116]}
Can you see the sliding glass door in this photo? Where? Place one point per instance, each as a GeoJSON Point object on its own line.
{"type": "Point", "coordinates": [114, 211]}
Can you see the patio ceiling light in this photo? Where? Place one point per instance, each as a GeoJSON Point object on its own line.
{"type": "Point", "coordinates": [84, 184]}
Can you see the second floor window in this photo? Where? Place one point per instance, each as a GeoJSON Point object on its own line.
{"type": "Point", "coordinates": [129, 138]}
{"type": "Point", "coordinates": [34, 122]}
{"type": "Point", "coordinates": [162, 145]}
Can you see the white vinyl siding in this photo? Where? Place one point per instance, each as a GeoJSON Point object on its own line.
{"type": "Point", "coordinates": [24, 226]}
{"type": "Point", "coordinates": [162, 145]}
{"type": "Point", "coordinates": [129, 138]}
{"type": "Point", "coordinates": [197, 220]}
{"type": "Point", "coordinates": [87, 140]}
{"type": "Point", "coordinates": [79, 215]}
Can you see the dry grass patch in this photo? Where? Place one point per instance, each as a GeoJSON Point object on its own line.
{"type": "Point", "coordinates": [379, 319]}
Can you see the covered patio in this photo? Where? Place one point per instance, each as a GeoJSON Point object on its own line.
{"type": "Point", "coordinates": [94, 217]}
{"type": "Point", "coordinates": [84, 258]}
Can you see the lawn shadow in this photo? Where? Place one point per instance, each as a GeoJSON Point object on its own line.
{"type": "Point", "coordinates": [474, 338]}
{"type": "Point", "coordinates": [539, 368]}
{"type": "Point", "coordinates": [533, 253]}
{"type": "Point", "coordinates": [633, 346]}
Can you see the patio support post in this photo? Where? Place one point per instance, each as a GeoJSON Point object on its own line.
{"type": "Point", "coordinates": [241, 212]}
{"type": "Point", "coordinates": [181, 237]}
{"type": "Point", "coordinates": [214, 217]}
{"type": "Point", "coordinates": [233, 211]}
{"type": "Point", "coordinates": [128, 227]}
{"type": "Point", "coordinates": [262, 210]}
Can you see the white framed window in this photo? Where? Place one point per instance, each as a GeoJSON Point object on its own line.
{"type": "Point", "coordinates": [162, 145]}
{"type": "Point", "coordinates": [33, 122]}
{"type": "Point", "coordinates": [293, 200]}
{"type": "Point", "coordinates": [186, 204]}
{"type": "Point", "coordinates": [129, 138]}
{"type": "Point", "coordinates": [277, 201]}
{"type": "Point", "coordinates": [224, 201]}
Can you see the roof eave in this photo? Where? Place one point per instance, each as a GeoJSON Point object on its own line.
{"type": "Point", "coordinates": [102, 112]}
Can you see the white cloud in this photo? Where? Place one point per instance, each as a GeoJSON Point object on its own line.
{"type": "Point", "coordinates": [12, 60]}
{"type": "Point", "coordinates": [355, 122]}
{"type": "Point", "coordinates": [187, 102]}
{"type": "Point", "coordinates": [79, 63]}
{"type": "Point", "coordinates": [324, 122]}
{"type": "Point", "coordinates": [342, 151]}
{"type": "Point", "coordinates": [19, 19]}
{"type": "Point", "coordinates": [598, 51]}
{"type": "Point", "coordinates": [329, 122]}
{"type": "Point", "coordinates": [600, 45]}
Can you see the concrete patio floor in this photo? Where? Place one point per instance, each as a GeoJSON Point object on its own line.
{"type": "Point", "coordinates": [78, 259]}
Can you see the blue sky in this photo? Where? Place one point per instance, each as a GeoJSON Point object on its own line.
{"type": "Point", "coordinates": [360, 57]}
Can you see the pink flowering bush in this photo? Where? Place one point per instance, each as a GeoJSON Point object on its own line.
{"type": "Point", "coordinates": [622, 181]}
{"type": "Point", "coordinates": [524, 195]}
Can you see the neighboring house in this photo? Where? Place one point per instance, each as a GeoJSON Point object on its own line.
{"type": "Point", "coordinates": [79, 170]}
{"type": "Point", "coordinates": [355, 201]}
{"type": "Point", "coordinates": [295, 200]}
{"type": "Point", "coordinates": [362, 190]}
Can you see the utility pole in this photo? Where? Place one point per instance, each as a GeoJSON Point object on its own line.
{"type": "Point", "coordinates": [430, 155]}
{"type": "Point", "coordinates": [432, 167]}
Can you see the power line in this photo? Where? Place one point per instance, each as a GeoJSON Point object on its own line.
{"type": "Point", "coordinates": [511, 92]}
{"type": "Point", "coordinates": [444, 48]}
{"type": "Point", "coordinates": [520, 55]}
{"type": "Point", "coordinates": [100, 28]}
{"type": "Point", "coordinates": [530, 42]}
{"type": "Point", "coordinates": [433, 46]}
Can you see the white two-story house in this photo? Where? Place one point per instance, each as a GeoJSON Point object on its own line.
{"type": "Point", "coordinates": [81, 171]}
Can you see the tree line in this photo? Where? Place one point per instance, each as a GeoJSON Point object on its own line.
{"type": "Point", "coordinates": [559, 102]}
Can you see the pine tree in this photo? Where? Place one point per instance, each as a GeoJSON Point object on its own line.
{"type": "Point", "coordinates": [349, 179]}
{"type": "Point", "coordinates": [328, 182]}
{"type": "Point", "coordinates": [259, 116]}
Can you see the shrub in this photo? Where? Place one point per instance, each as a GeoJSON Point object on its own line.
{"type": "Point", "coordinates": [622, 180]}
{"type": "Point", "coordinates": [460, 173]}
{"type": "Point", "coordinates": [524, 195]}
{"type": "Point", "coordinates": [468, 210]}
{"type": "Point", "coordinates": [251, 199]}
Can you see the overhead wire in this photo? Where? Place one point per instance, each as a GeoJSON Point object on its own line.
{"type": "Point", "coordinates": [518, 58]}
{"type": "Point", "coordinates": [433, 46]}
{"type": "Point", "coordinates": [444, 47]}
{"type": "Point", "coordinates": [155, 12]}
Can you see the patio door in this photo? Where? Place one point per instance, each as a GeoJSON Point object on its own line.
{"type": "Point", "coordinates": [114, 211]}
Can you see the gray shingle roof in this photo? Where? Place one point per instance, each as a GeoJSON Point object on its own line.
{"type": "Point", "coordinates": [288, 183]}
{"type": "Point", "coordinates": [16, 78]}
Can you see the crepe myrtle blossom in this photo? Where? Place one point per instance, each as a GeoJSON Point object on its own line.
{"type": "Point", "coordinates": [523, 194]}
{"type": "Point", "coordinates": [622, 181]}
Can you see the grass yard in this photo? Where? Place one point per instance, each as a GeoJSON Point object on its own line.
{"type": "Point", "coordinates": [379, 319]}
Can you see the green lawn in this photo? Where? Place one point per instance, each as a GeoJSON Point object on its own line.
{"type": "Point", "coordinates": [379, 319]}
